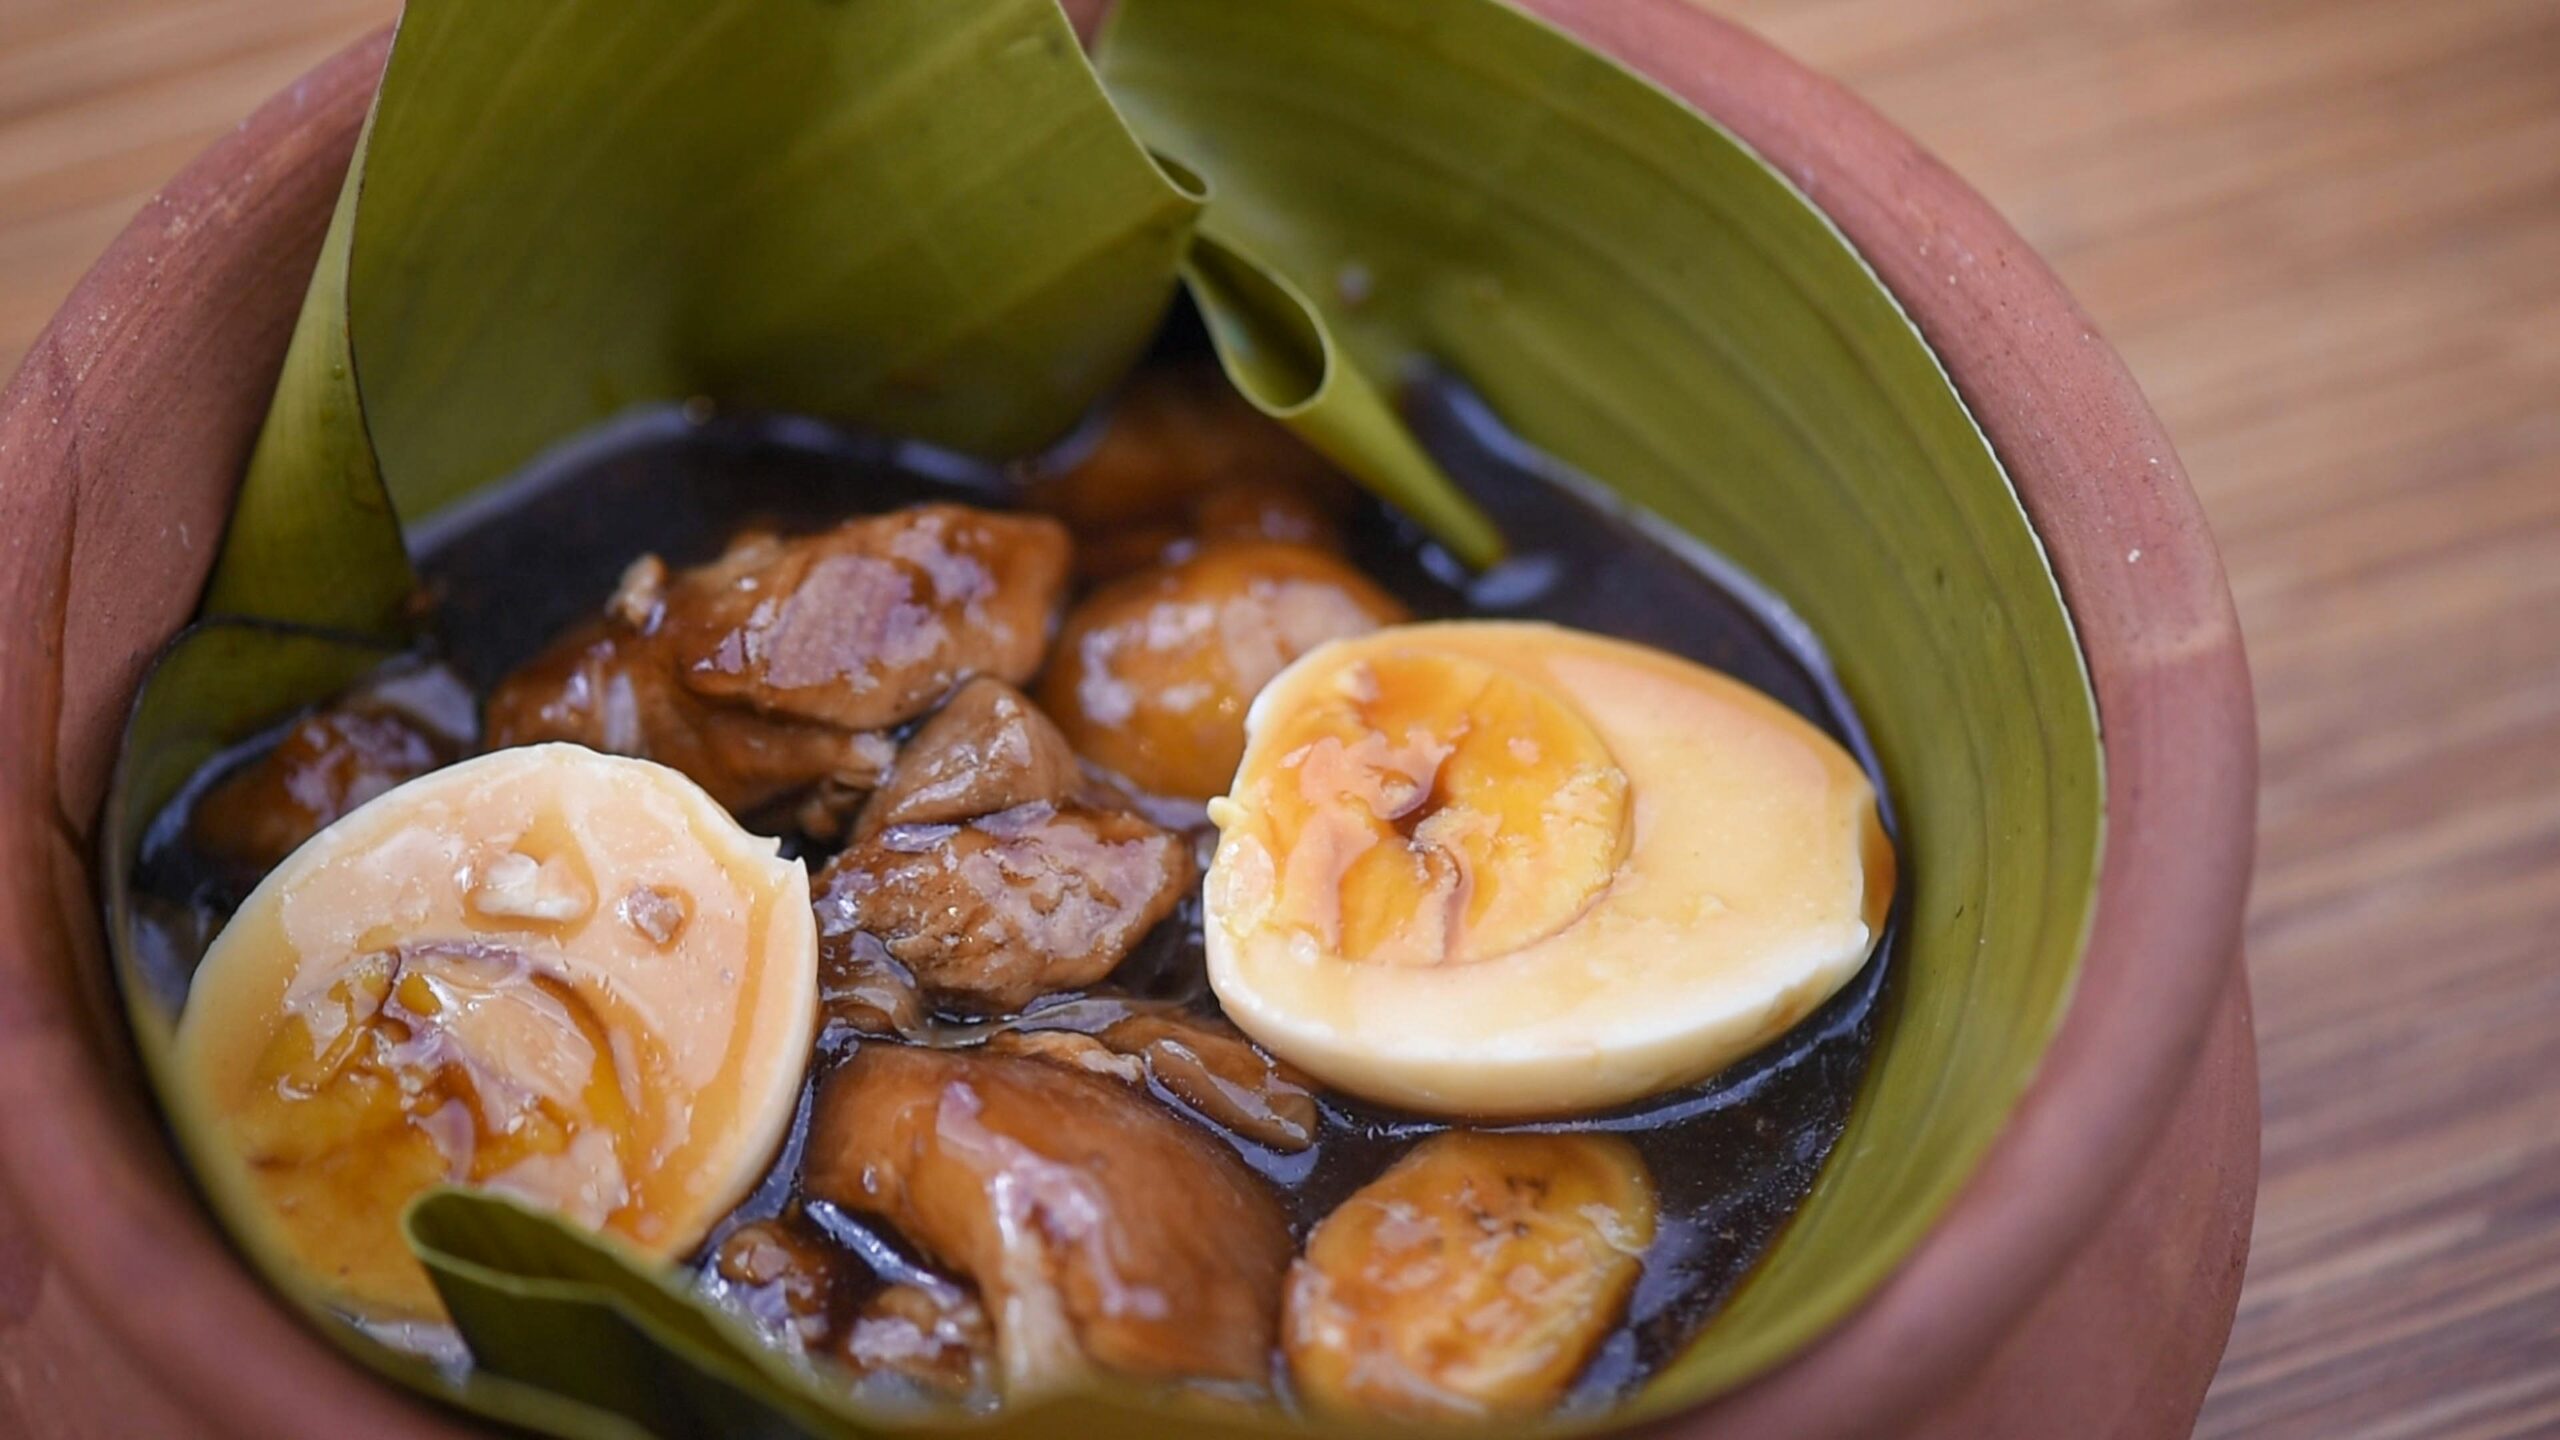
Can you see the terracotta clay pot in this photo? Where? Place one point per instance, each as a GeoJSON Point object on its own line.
{"type": "Point", "coordinates": [2083, 1284]}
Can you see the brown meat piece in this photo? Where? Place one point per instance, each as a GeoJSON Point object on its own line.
{"type": "Point", "coordinates": [995, 913]}
{"type": "Point", "coordinates": [1154, 672]}
{"type": "Point", "coordinates": [987, 749]}
{"type": "Point", "coordinates": [866, 625]}
{"type": "Point", "coordinates": [862, 988]}
{"type": "Point", "coordinates": [394, 728]}
{"type": "Point", "coordinates": [1201, 1061]}
{"type": "Point", "coordinates": [770, 672]}
{"type": "Point", "coordinates": [937, 1336]}
{"type": "Point", "coordinates": [1211, 1067]}
{"type": "Point", "coordinates": [1073, 1049]}
{"type": "Point", "coordinates": [608, 686]}
{"type": "Point", "coordinates": [1098, 1229]}
{"type": "Point", "coordinates": [932, 1334]}
{"type": "Point", "coordinates": [781, 1279]}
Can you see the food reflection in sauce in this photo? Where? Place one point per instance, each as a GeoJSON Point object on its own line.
{"type": "Point", "coordinates": [1030, 1146]}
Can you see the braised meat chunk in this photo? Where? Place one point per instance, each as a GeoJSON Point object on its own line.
{"type": "Point", "coordinates": [780, 1279]}
{"type": "Point", "coordinates": [1201, 1061]}
{"type": "Point", "coordinates": [1071, 1048]}
{"type": "Point", "coordinates": [925, 1333]}
{"type": "Point", "coordinates": [1099, 1230]}
{"type": "Point", "coordinates": [1211, 1067]}
{"type": "Point", "coordinates": [987, 749]}
{"type": "Point", "coordinates": [992, 914]}
{"type": "Point", "coordinates": [866, 625]}
{"type": "Point", "coordinates": [775, 670]}
{"type": "Point", "coordinates": [609, 687]}
{"type": "Point", "coordinates": [862, 988]}
{"type": "Point", "coordinates": [398, 727]}
{"type": "Point", "coordinates": [935, 1337]}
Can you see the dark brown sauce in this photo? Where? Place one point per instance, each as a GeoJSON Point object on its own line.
{"type": "Point", "coordinates": [1733, 1156]}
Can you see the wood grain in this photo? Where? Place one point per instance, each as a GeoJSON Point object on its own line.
{"type": "Point", "coordinates": [2326, 233]}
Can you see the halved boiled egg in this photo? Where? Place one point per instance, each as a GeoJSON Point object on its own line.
{"type": "Point", "coordinates": [564, 976]}
{"type": "Point", "coordinates": [1507, 869]}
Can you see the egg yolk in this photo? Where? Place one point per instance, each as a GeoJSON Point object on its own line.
{"type": "Point", "coordinates": [1430, 809]}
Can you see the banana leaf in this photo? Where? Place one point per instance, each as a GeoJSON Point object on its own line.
{"type": "Point", "coordinates": [931, 219]}
{"type": "Point", "coordinates": [572, 1313]}
{"type": "Point", "coordinates": [911, 216]}
{"type": "Point", "coordinates": [1281, 355]}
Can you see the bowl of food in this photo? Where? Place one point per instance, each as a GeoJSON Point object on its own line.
{"type": "Point", "coordinates": [807, 719]}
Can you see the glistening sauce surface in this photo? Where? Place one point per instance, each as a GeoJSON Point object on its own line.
{"type": "Point", "coordinates": [1733, 1157]}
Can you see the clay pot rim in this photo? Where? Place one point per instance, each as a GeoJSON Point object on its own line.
{"type": "Point", "coordinates": [2138, 571]}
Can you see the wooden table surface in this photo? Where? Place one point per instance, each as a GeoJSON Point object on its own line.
{"type": "Point", "coordinates": [2326, 233]}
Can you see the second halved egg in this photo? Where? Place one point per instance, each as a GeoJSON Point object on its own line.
{"type": "Point", "coordinates": [564, 976]}
{"type": "Point", "coordinates": [1503, 869]}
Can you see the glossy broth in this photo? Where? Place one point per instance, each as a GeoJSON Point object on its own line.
{"type": "Point", "coordinates": [1733, 1157]}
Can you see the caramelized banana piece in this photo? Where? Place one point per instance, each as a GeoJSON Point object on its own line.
{"type": "Point", "coordinates": [1153, 672]}
{"type": "Point", "coordinates": [559, 975]}
{"type": "Point", "coordinates": [1473, 1279]}
{"type": "Point", "coordinates": [1256, 510]}
{"type": "Point", "coordinates": [1226, 510]}
{"type": "Point", "coordinates": [1175, 439]}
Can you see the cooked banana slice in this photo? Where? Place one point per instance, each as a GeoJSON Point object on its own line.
{"type": "Point", "coordinates": [1472, 1279]}
{"type": "Point", "coordinates": [1505, 869]}
{"type": "Point", "coordinates": [1152, 674]}
{"type": "Point", "coordinates": [553, 973]}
